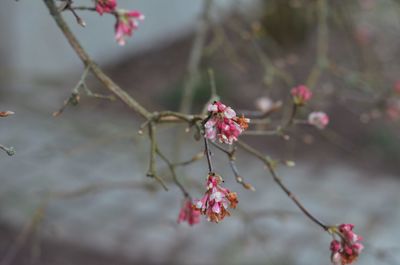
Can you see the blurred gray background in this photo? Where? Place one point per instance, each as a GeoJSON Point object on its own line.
{"type": "Point", "coordinates": [111, 213]}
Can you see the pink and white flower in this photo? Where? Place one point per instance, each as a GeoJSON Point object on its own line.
{"type": "Point", "coordinates": [217, 200]}
{"type": "Point", "coordinates": [264, 104]}
{"type": "Point", "coordinates": [223, 124]}
{"type": "Point", "coordinates": [301, 94]}
{"type": "Point", "coordinates": [105, 6]}
{"type": "Point", "coordinates": [318, 119]}
{"type": "Point", "coordinates": [127, 22]}
{"type": "Point", "coordinates": [347, 250]}
{"type": "Point", "coordinates": [189, 213]}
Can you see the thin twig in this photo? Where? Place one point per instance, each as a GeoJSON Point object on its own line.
{"type": "Point", "coordinates": [208, 155]}
{"type": "Point", "coordinates": [271, 167]}
{"type": "Point", "coordinates": [173, 173]}
{"type": "Point", "coordinates": [232, 163]}
{"type": "Point", "coordinates": [25, 233]}
{"type": "Point", "coordinates": [195, 58]}
{"type": "Point", "coordinates": [87, 61]}
{"type": "Point", "coordinates": [152, 172]}
{"type": "Point", "coordinates": [9, 150]}
{"type": "Point", "coordinates": [213, 95]}
{"type": "Point", "coordinates": [195, 158]}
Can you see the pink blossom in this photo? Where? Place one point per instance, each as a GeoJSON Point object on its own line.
{"type": "Point", "coordinates": [301, 94]}
{"type": "Point", "coordinates": [105, 6]}
{"type": "Point", "coordinates": [318, 119]}
{"type": "Point", "coordinates": [189, 213]}
{"type": "Point", "coordinates": [216, 200]}
{"type": "Point", "coordinates": [127, 22]}
{"type": "Point", "coordinates": [396, 87]}
{"type": "Point", "coordinates": [393, 108]}
{"type": "Point", "coordinates": [223, 124]}
{"type": "Point", "coordinates": [347, 250]}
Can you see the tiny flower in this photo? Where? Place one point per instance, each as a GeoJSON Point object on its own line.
{"type": "Point", "coordinates": [189, 213]}
{"type": "Point", "coordinates": [127, 22]}
{"type": "Point", "coordinates": [216, 200]}
{"type": "Point", "coordinates": [347, 250]}
{"type": "Point", "coordinates": [301, 94]}
{"type": "Point", "coordinates": [105, 6]}
{"type": "Point", "coordinates": [264, 104]}
{"type": "Point", "coordinates": [318, 119]}
{"type": "Point", "coordinates": [223, 124]}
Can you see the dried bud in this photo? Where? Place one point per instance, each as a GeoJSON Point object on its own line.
{"type": "Point", "coordinates": [81, 22]}
{"type": "Point", "coordinates": [290, 163]}
{"type": "Point", "coordinates": [6, 113]}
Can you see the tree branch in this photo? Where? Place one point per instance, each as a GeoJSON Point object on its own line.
{"type": "Point", "coordinates": [88, 62]}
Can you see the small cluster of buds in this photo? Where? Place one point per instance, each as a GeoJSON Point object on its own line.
{"type": "Point", "coordinates": [223, 124]}
{"type": "Point", "coordinates": [347, 250]}
{"type": "Point", "coordinates": [217, 200]}
{"type": "Point", "coordinates": [105, 6]}
{"type": "Point", "coordinates": [189, 213]}
{"type": "Point", "coordinates": [127, 21]}
{"type": "Point", "coordinates": [301, 95]}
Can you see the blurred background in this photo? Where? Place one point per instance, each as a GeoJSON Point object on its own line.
{"type": "Point", "coordinates": [94, 162]}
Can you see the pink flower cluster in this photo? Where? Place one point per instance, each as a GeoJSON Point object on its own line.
{"type": "Point", "coordinates": [189, 213]}
{"type": "Point", "coordinates": [127, 22]}
{"type": "Point", "coordinates": [105, 6]}
{"type": "Point", "coordinates": [318, 119]}
{"type": "Point", "coordinates": [217, 200]}
{"type": "Point", "coordinates": [347, 250]}
{"type": "Point", "coordinates": [223, 124]}
{"type": "Point", "coordinates": [301, 94]}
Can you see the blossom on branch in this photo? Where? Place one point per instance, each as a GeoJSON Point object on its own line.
{"type": "Point", "coordinates": [318, 119]}
{"type": "Point", "coordinates": [105, 6]}
{"type": "Point", "coordinates": [217, 200]}
{"type": "Point", "coordinates": [223, 124]}
{"type": "Point", "coordinates": [347, 250]}
{"type": "Point", "coordinates": [301, 94]}
{"type": "Point", "coordinates": [127, 22]}
{"type": "Point", "coordinates": [189, 213]}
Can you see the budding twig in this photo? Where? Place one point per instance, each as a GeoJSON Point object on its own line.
{"type": "Point", "coordinates": [271, 167]}
{"type": "Point", "coordinates": [9, 150]}
{"type": "Point", "coordinates": [171, 167]}
{"type": "Point", "coordinates": [152, 172]}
